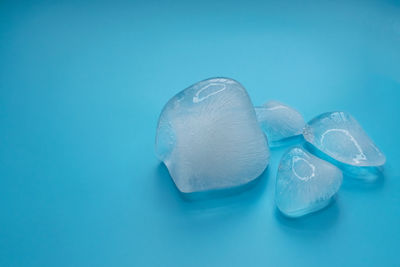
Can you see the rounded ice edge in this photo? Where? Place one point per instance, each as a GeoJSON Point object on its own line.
{"type": "Point", "coordinates": [309, 137]}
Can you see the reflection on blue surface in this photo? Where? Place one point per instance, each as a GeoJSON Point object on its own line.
{"type": "Point", "coordinates": [82, 84]}
{"type": "Point", "coordinates": [216, 201]}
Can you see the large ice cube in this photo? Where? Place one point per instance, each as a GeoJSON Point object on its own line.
{"type": "Point", "coordinates": [279, 121]}
{"type": "Point", "coordinates": [340, 136]}
{"type": "Point", "coordinates": [305, 183]}
{"type": "Point", "coordinates": [209, 138]}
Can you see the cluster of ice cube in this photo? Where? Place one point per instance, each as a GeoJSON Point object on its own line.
{"type": "Point", "coordinates": [211, 137]}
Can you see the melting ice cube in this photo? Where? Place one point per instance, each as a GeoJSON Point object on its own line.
{"type": "Point", "coordinates": [279, 122]}
{"type": "Point", "coordinates": [340, 136]}
{"type": "Point", "coordinates": [209, 138]}
{"type": "Point", "coordinates": [305, 183]}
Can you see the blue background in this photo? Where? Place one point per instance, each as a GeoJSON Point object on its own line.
{"type": "Point", "coordinates": [82, 85]}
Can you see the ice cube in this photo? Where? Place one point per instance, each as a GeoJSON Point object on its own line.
{"type": "Point", "coordinates": [341, 137]}
{"type": "Point", "coordinates": [279, 121]}
{"type": "Point", "coordinates": [209, 138]}
{"type": "Point", "coordinates": [305, 183]}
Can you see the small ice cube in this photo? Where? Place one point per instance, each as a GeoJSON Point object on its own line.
{"type": "Point", "coordinates": [305, 183]}
{"type": "Point", "coordinates": [279, 122]}
{"type": "Point", "coordinates": [341, 137]}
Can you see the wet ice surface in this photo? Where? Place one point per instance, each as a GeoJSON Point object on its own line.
{"type": "Point", "coordinates": [340, 136]}
{"type": "Point", "coordinates": [209, 138]}
{"type": "Point", "coordinates": [279, 121]}
{"type": "Point", "coordinates": [367, 174]}
{"type": "Point", "coordinates": [305, 183]}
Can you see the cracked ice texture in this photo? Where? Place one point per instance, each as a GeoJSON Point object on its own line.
{"type": "Point", "coordinates": [209, 138]}
{"type": "Point", "coordinates": [279, 121]}
{"type": "Point", "coordinates": [340, 136]}
{"type": "Point", "coordinates": [305, 183]}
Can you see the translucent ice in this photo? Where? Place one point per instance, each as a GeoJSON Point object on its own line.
{"type": "Point", "coordinates": [279, 121]}
{"type": "Point", "coordinates": [305, 183]}
{"type": "Point", "coordinates": [340, 136]}
{"type": "Point", "coordinates": [209, 138]}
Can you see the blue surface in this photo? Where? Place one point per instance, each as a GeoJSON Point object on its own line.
{"type": "Point", "coordinates": [81, 88]}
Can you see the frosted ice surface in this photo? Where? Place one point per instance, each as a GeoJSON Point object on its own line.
{"type": "Point", "coordinates": [209, 138]}
{"type": "Point", "coordinates": [305, 183]}
{"type": "Point", "coordinates": [340, 136]}
{"type": "Point", "coordinates": [279, 121]}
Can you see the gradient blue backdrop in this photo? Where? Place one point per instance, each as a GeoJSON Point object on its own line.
{"type": "Point", "coordinates": [81, 87]}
